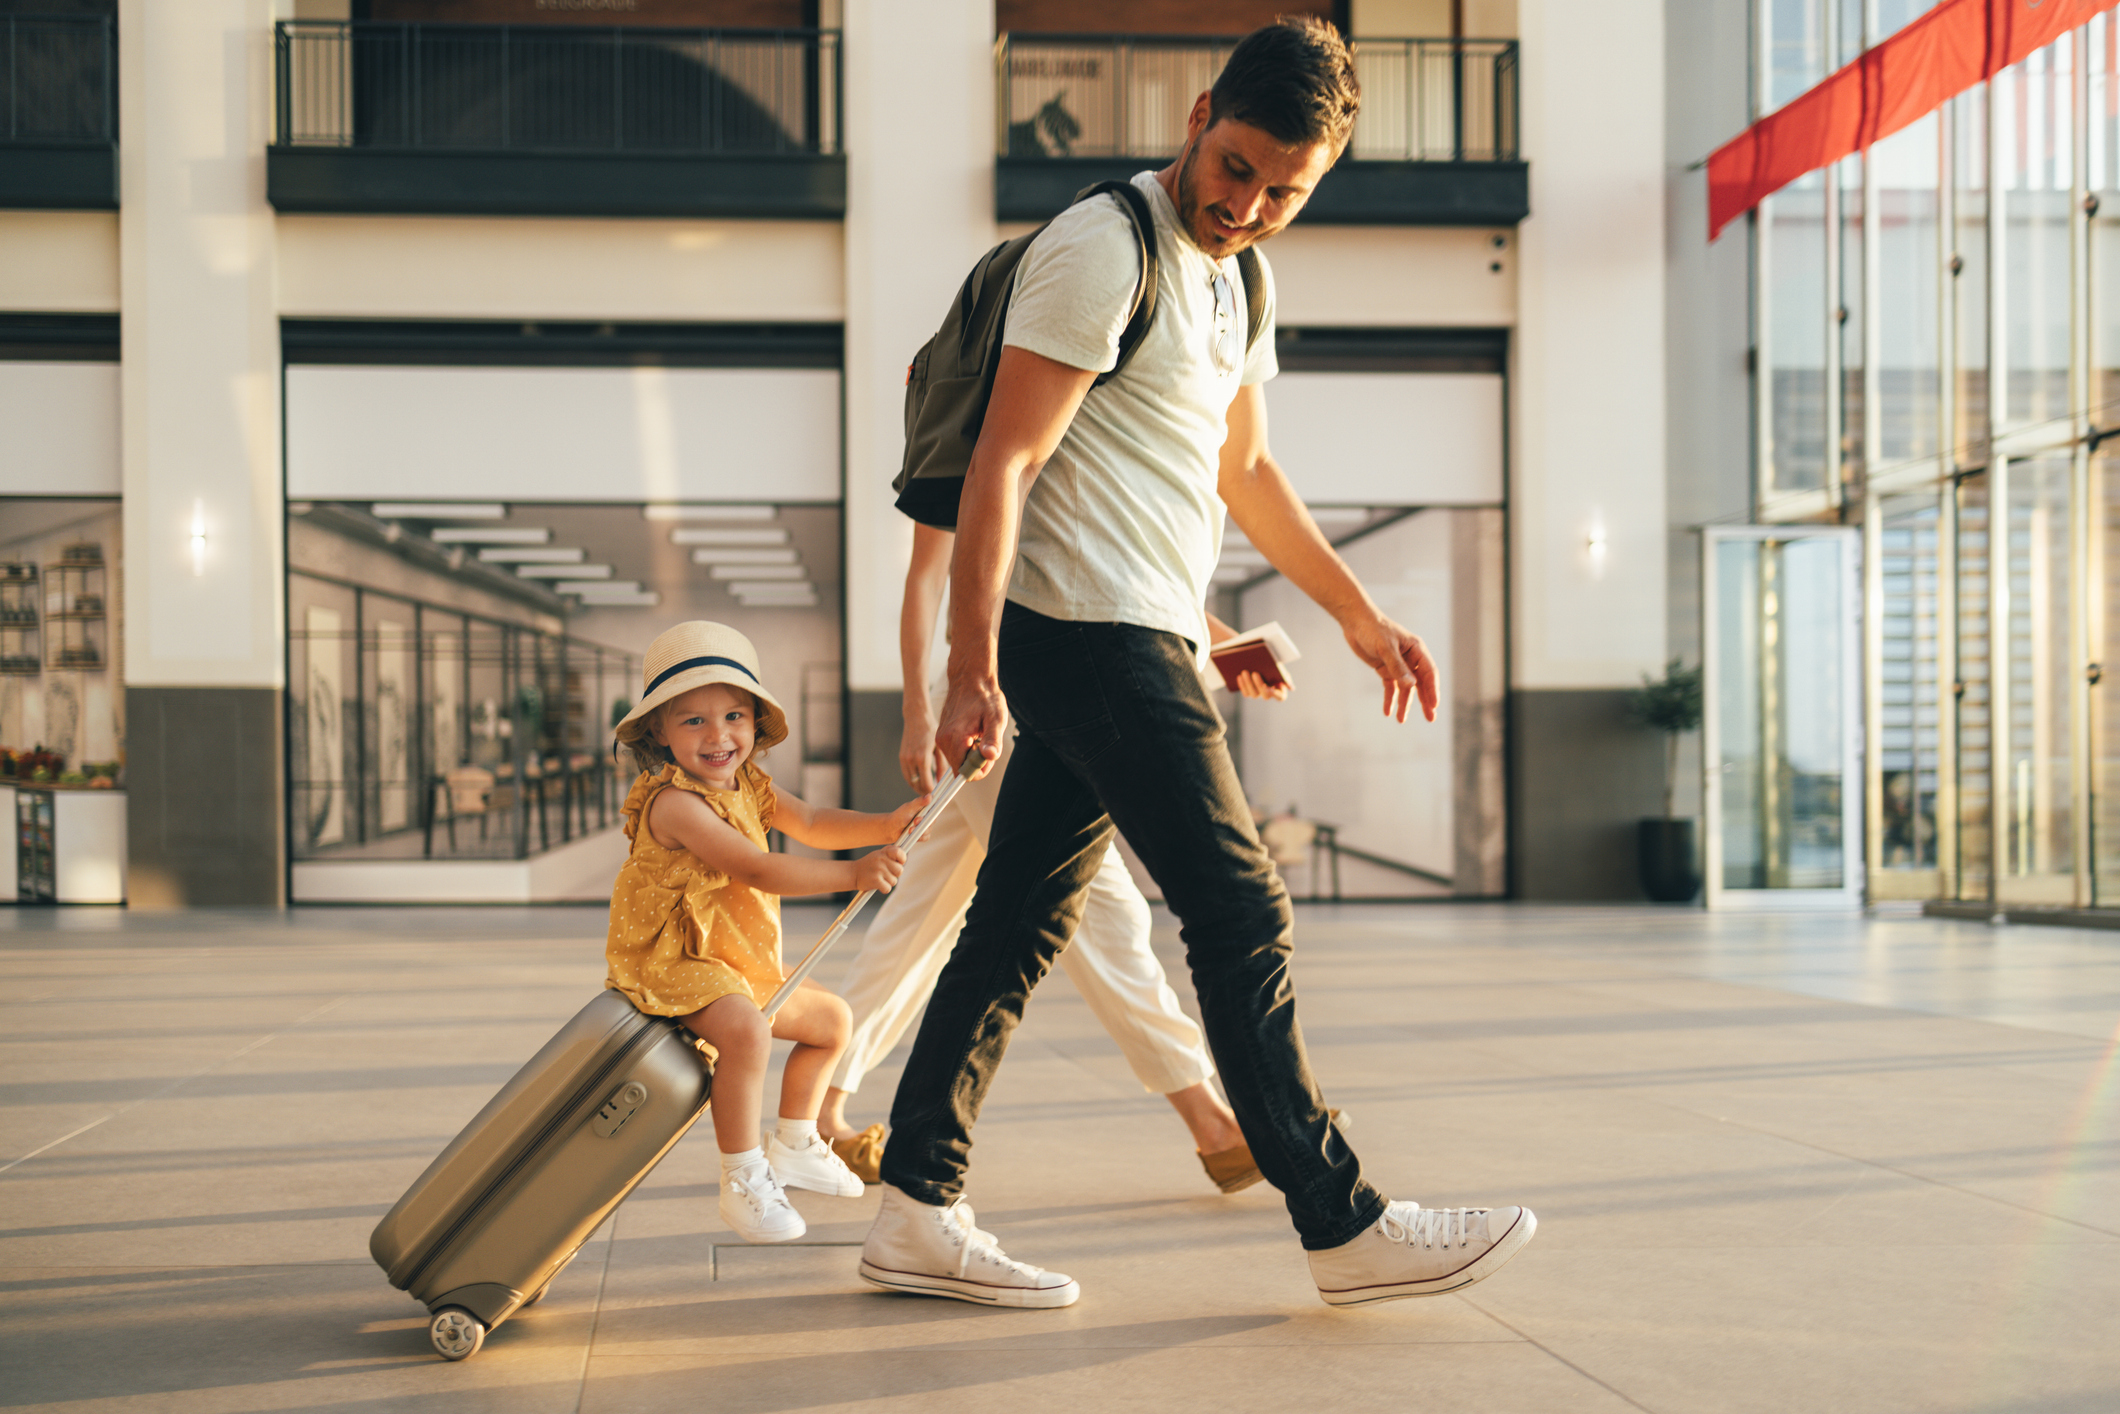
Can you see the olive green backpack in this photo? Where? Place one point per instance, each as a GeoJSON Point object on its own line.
{"type": "Point", "coordinates": [951, 379]}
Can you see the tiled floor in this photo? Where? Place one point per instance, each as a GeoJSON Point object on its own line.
{"type": "Point", "coordinates": [1779, 1164]}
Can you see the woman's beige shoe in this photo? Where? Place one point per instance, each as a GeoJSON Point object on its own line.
{"type": "Point", "coordinates": [1231, 1170]}
{"type": "Point", "coordinates": [863, 1153]}
{"type": "Point", "coordinates": [1234, 1170]}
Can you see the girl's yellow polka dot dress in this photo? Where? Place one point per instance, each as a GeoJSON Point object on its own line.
{"type": "Point", "coordinates": [684, 935]}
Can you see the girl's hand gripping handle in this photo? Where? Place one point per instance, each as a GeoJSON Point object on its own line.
{"type": "Point", "coordinates": [944, 794]}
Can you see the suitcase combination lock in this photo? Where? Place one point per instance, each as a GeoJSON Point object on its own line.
{"type": "Point", "coordinates": [618, 1109]}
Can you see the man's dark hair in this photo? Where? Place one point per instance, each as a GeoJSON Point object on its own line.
{"type": "Point", "coordinates": [1293, 80]}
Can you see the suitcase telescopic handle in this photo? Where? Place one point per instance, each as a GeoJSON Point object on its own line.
{"type": "Point", "coordinates": [937, 803]}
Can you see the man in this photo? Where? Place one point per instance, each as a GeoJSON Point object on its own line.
{"type": "Point", "coordinates": [1097, 516]}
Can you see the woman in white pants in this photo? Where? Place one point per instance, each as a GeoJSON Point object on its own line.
{"type": "Point", "coordinates": [1109, 960]}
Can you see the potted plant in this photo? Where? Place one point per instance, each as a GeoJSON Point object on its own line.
{"type": "Point", "coordinates": [1666, 851]}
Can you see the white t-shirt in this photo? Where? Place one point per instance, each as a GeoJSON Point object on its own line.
{"type": "Point", "coordinates": [1124, 524]}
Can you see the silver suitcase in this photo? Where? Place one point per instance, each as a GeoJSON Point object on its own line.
{"type": "Point", "coordinates": [482, 1233]}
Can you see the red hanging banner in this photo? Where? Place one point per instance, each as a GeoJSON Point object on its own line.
{"type": "Point", "coordinates": [1942, 54]}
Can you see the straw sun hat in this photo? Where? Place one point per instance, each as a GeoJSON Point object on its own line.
{"type": "Point", "coordinates": [696, 654]}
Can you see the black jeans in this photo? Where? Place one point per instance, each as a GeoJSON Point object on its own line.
{"type": "Point", "coordinates": [1116, 728]}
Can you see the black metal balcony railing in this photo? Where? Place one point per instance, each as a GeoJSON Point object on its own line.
{"type": "Point", "coordinates": [1436, 142]}
{"type": "Point", "coordinates": [58, 79]}
{"type": "Point", "coordinates": [557, 88]}
{"type": "Point", "coordinates": [556, 120]}
{"type": "Point", "coordinates": [58, 112]}
{"type": "Point", "coordinates": [1423, 100]}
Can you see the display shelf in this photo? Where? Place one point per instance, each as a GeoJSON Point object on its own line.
{"type": "Point", "coordinates": [74, 611]}
{"type": "Point", "coordinates": [21, 627]}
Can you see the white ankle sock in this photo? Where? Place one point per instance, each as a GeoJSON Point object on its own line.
{"type": "Point", "coordinates": [730, 1163]}
{"type": "Point", "coordinates": [796, 1133]}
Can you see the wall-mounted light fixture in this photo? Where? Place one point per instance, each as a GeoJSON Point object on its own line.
{"type": "Point", "coordinates": [198, 539]}
{"type": "Point", "coordinates": [1595, 546]}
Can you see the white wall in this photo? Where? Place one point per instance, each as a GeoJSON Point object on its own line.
{"type": "Point", "coordinates": [200, 345]}
{"type": "Point", "coordinates": [1328, 750]}
{"type": "Point", "coordinates": [1404, 276]}
{"type": "Point", "coordinates": [1588, 396]}
{"type": "Point", "coordinates": [1389, 439]}
{"type": "Point", "coordinates": [920, 210]}
{"type": "Point", "coordinates": [59, 261]}
{"type": "Point", "coordinates": [563, 434]}
{"type": "Point", "coordinates": [61, 429]}
{"type": "Point", "coordinates": [479, 268]}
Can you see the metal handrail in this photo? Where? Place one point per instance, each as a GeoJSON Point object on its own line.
{"type": "Point", "coordinates": [556, 88]}
{"type": "Point", "coordinates": [60, 75]}
{"type": "Point", "coordinates": [1127, 96]}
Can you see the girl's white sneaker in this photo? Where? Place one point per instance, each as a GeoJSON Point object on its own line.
{"type": "Point", "coordinates": [813, 1168]}
{"type": "Point", "coordinates": [753, 1203]}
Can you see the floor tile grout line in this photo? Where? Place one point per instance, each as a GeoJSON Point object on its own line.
{"type": "Point", "coordinates": [1550, 1353]}
{"type": "Point", "coordinates": [596, 1318]}
{"type": "Point", "coordinates": [180, 1081]}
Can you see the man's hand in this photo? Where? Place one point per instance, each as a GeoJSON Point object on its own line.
{"type": "Point", "coordinates": [1399, 658]}
{"type": "Point", "coordinates": [1250, 684]}
{"type": "Point", "coordinates": [973, 710]}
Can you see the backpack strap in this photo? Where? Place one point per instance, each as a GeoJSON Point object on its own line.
{"type": "Point", "coordinates": [1254, 276]}
{"type": "Point", "coordinates": [1143, 313]}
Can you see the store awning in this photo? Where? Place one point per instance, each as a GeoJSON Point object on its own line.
{"type": "Point", "coordinates": [1942, 54]}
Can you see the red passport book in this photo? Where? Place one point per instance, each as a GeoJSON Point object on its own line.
{"type": "Point", "coordinates": [1262, 650]}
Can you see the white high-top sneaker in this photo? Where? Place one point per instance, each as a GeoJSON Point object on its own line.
{"type": "Point", "coordinates": [930, 1251]}
{"type": "Point", "coordinates": [1417, 1251]}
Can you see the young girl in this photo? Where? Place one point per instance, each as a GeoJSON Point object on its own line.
{"type": "Point", "coordinates": [695, 914]}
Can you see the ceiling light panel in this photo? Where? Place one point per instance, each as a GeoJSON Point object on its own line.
{"type": "Point", "coordinates": [769, 586]}
{"type": "Point", "coordinates": [490, 535]}
{"type": "Point", "coordinates": [758, 572]}
{"type": "Point", "coordinates": [554, 556]}
{"type": "Point", "coordinates": [437, 510]}
{"type": "Point", "coordinates": [564, 571]}
{"type": "Point", "coordinates": [743, 557]}
{"type": "Point", "coordinates": [595, 588]}
{"type": "Point", "coordinates": [630, 599]}
{"type": "Point", "coordinates": [707, 512]}
{"type": "Point", "coordinates": [692, 536]}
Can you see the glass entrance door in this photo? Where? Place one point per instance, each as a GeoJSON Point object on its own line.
{"type": "Point", "coordinates": [1781, 731]}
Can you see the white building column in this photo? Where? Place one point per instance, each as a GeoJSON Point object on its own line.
{"type": "Point", "coordinates": [920, 209]}
{"type": "Point", "coordinates": [200, 396]}
{"type": "Point", "coordinates": [1587, 482]}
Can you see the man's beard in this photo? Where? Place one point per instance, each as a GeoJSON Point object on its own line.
{"type": "Point", "coordinates": [1190, 215]}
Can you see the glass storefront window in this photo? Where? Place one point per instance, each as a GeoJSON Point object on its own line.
{"type": "Point", "coordinates": [2035, 147]}
{"type": "Point", "coordinates": [1971, 688]}
{"type": "Point", "coordinates": [1848, 314]}
{"type": "Point", "coordinates": [2037, 823]}
{"type": "Point", "coordinates": [1779, 684]}
{"type": "Point", "coordinates": [420, 732]}
{"type": "Point", "coordinates": [1797, 48]}
{"type": "Point", "coordinates": [1909, 336]}
{"type": "Point", "coordinates": [1908, 737]}
{"type": "Point", "coordinates": [1793, 250]}
{"type": "Point", "coordinates": [1967, 116]}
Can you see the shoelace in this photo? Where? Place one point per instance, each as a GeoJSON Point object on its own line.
{"type": "Point", "coordinates": [756, 1188]}
{"type": "Point", "coordinates": [1434, 1227]}
{"type": "Point", "coordinates": [974, 1241]}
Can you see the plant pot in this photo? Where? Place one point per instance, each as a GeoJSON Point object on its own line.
{"type": "Point", "coordinates": [1668, 859]}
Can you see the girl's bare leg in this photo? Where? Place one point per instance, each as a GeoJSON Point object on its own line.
{"type": "Point", "coordinates": [736, 1029]}
{"type": "Point", "coordinates": [819, 1024]}
{"type": "Point", "coordinates": [832, 1120]}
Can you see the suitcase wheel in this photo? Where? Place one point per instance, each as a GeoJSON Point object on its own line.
{"type": "Point", "coordinates": [541, 1293]}
{"type": "Point", "coordinates": [457, 1334]}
